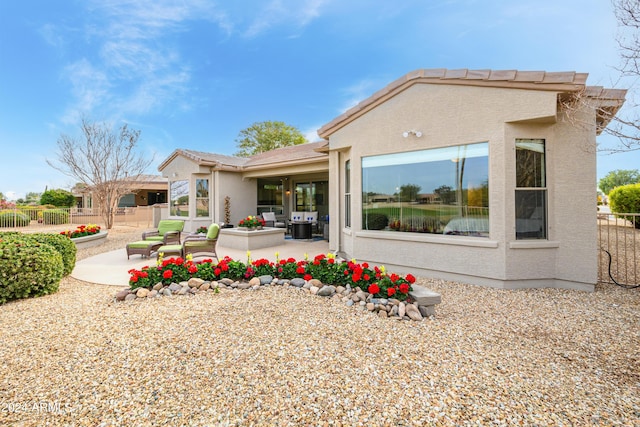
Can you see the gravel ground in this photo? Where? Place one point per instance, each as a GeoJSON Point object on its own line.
{"type": "Point", "coordinates": [283, 357]}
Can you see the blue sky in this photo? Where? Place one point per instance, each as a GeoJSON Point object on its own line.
{"type": "Point", "coordinates": [193, 73]}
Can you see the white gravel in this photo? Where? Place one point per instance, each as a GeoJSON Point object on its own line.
{"type": "Point", "coordinates": [282, 357]}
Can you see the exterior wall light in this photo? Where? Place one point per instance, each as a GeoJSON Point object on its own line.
{"type": "Point", "coordinates": [417, 133]}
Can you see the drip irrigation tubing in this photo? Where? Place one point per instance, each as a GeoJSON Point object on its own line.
{"type": "Point", "coordinates": [622, 285]}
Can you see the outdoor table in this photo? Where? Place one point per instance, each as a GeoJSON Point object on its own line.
{"type": "Point", "coordinates": [301, 230]}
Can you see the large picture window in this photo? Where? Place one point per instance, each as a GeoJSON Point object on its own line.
{"type": "Point", "coordinates": [439, 191]}
{"type": "Point", "coordinates": [179, 191]}
{"type": "Point", "coordinates": [531, 189]}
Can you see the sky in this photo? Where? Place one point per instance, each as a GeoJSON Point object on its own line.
{"type": "Point", "coordinates": [192, 74]}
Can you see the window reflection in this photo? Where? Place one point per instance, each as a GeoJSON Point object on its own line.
{"type": "Point", "coordinates": [440, 191]}
{"type": "Point", "coordinates": [202, 197]}
{"type": "Point", "coordinates": [179, 191]}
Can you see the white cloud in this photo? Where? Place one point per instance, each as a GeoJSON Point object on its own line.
{"type": "Point", "coordinates": [359, 91]}
{"type": "Point", "coordinates": [294, 13]}
{"type": "Point", "coordinates": [311, 133]}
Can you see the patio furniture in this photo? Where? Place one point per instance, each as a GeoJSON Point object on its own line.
{"type": "Point", "coordinates": [199, 245]}
{"type": "Point", "coordinates": [272, 221]}
{"type": "Point", "coordinates": [142, 247]}
{"type": "Point", "coordinates": [301, 230]}
{"type": "Point", "coordinates": [195, 244]}
{"type": "Point", "coordinates": [168, 232]}
{"type": "Point", "coordinates": [312, 217]}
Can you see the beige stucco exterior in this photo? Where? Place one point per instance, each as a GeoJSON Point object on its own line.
{"type": "Point", "coordinates": [438, 108]}
{"type": "Point", "coordinates": [455, 114]}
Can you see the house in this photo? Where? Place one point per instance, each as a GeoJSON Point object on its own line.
{"type": "Point", "coordinates": [480, 176]}
{"type": "Point", "coordinates": [145, 190]}
{"type": "Point", "coordinates": [208, 187]}
{"type": "Point", "coordinates": [511, 156]}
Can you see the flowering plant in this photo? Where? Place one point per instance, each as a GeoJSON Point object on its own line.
{"type": "Point", "coordinates": [82, 230]}
{"type": "Point", "coordinates": [251, 222]}
{"type": "Point", "coordinates": [325, 268]}
{"type": "Point", "coordinates": [202, 230]}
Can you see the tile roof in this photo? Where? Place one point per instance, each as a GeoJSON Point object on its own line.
{"type": "Point", "coordinates": [566, 81]}
{"type": "Point", "coordinates": [288, 155]}
{"type": "Point", "coordinates": [294, 153]}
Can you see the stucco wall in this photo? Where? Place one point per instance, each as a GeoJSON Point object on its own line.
{"type": "Point", "coordinates": [452, 115]}
{"type": "Point", "coordinates": [243, 194]}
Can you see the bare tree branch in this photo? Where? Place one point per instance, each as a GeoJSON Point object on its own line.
{"type": "Point", "coordinates": [103, 160]}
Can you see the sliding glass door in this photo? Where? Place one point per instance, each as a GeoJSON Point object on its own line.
{"type": "Point", "coordinates": [312, 196]}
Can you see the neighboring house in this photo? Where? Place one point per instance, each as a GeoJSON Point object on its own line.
{"type": "Point", "coordinates": [146, 190]}
{"type": "Point", "coordinates": [203, 187]}
{"type": "Point", "coordinates": [511, 156]}
{"type": "Point", "coordinates": [485, 177]}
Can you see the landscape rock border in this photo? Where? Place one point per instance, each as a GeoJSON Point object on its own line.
{"type": "Point", "coordinates": [422, 306]}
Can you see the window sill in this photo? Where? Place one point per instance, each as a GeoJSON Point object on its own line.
{"type": "Point", "coordinates": [534, 244]}
{"type": "Point", "coordinates": [479, 242]}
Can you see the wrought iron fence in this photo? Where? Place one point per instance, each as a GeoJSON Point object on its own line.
{"type": "Point", "coordinates": [35, 217]}
{"type": "Point", "coordinates": [619, 244]}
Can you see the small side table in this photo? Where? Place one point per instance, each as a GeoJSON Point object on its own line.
{"type": "Point", "coordinates": [301, 230]}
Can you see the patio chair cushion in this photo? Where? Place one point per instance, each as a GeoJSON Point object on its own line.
{"type": "Point", "coordinates": [141, 244]}
{"type": "Point", "coordinates": [170, 225]}
{"type": "Point", "coordinates": [170, 249]}
{"type": "Point", "coordinates": [213, 231]}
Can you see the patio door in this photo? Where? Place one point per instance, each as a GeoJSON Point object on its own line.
{"type": "Point", "coordinates": [312, 196]}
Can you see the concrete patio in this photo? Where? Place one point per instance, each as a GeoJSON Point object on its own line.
{"type": "Point", "coordinates": [111, 268]}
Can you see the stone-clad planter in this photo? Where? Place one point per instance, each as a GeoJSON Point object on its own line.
{"type": "Point", "coordinates": [89, 241]}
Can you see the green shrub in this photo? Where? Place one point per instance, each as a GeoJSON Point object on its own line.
{"type": "Point", "coordinates": [28, 269]}
{"type": "Point", "coordinates": [55, 216]}
{"type": "Point", "coordinates": [62, 244]}
{"type": "Point", "coordinates": [626, 199]}
{"type": "Point", "coordinates": [374, 221]}
{"type": "Point", "coordinates": [13, 219]}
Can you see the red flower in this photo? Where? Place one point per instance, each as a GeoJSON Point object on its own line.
{"type": "Point", "coordinates": [373, 288]}
{"type": "Point", "coordinates": [365, 265]}
{"type": "Point", "coordinates": [356, 277]}
{"type": "Point", "coordinates": [179, 261]}
{"type": "Point", "coordinates": [316, 262]}
{"type": "Point", "coordinates": [331, 261]}
{"type": "Point", "coordinates": [307, 277]}
{"type": "Point", "coordinates": [167, 274]}
{"type": "Point", "coordinates": [193, 269]}
{"type": "Point", "coordinates": [404, 288]}
{"type": "Point", "coordinates": [394, 278]}
{"type": "Point", "coordinates": [366, 277]}
{"type": "Point", "coordinates": [391, 291]}
{"type": "Point", "coordinates": [133, 279]}
{"type": "Point", "coordinates": [411, 279]}
{"type": "Point", "coordinates": [300, 270]}
{"type": "Point", "coordinates": [217, 271]}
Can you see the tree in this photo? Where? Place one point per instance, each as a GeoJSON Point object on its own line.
{"type": "Point", "coordinates": [409, 192]}
{"type": "Point", "coordinates": [617, 178]}
{"type": "Point", "coordinates": [627, 129]}
{"type": "Point", "coordinates": [103, 159]}
{"type": "Point", "coordinates": [59, 198]}
{"type": "Point", "coordinates": [446, 194]}
{"type": "Point", "coordinates": [2, 196]}
{"type": "Point", "coordinates": [267, 136]}
{"type": "Point", "coordinates": [32, 197]}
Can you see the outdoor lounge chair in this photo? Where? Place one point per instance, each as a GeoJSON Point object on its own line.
{"type": "Point", "coordinates": [195, 244]}
{"type": "Point", "coordinates": [271, 220]}
{"type": "Point", "coordinates": [168, 232]}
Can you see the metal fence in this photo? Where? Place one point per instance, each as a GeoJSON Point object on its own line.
{"type": "Point", "coordinates": [32, 218]}
{"type": "Point", "coordinates": [619, 244]}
